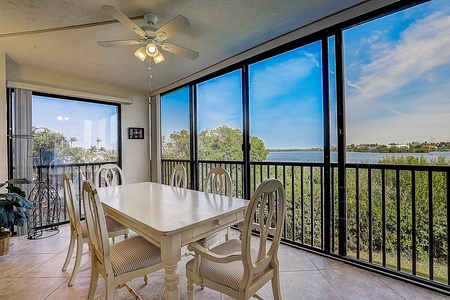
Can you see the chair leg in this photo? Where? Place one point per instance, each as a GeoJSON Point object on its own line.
{"type": "Point", "coordinates": [132, 292]}
{"type": "Point", "coordinates": [228, 234]}
{"type": "Point", "coordinates": [76, 266]}
{"type": "Point", "coordinates": [190, 289]}
{"type": "Point", "coordinates": [126, 233]}
{"type": "Point", "coordinates": [93, 284]}
{"type": "Point", "coordinates": [276, 286]}
{"type": "Point", "coordinates": [110, 288]}
{"type": "Point", "coordinates": [69, 252]}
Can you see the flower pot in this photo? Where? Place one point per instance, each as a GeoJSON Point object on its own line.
{"type": "Point", "coordinates": [4, 242]}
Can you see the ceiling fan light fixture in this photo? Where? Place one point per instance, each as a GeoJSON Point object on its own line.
{"type": "Point", "coordinates": [158, 58]}
{"type": "Point", "coordinates": [151, 50]}
{"type": "Point", "coordinates": [141, 54]}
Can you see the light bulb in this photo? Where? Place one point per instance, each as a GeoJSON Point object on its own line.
{"type": "Point", "coordinates": [151, 50]}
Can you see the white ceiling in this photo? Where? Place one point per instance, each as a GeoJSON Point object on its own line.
{"type": "Point", "coordinates": [219, 29]}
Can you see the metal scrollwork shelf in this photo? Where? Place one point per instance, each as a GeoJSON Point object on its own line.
{"type": "Point", "coordinates": [46, 213]}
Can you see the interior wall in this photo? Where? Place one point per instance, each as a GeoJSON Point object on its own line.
{"type": "Point", "coordinates": [135, 153]}
{"type": "Point", "coordinates": [3, 131]}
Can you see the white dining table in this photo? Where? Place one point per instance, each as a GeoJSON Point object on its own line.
{"type": "Point", "coordinates": [170, 218]}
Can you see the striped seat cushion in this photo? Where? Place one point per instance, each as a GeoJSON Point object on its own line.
{"type": "Point", "coordinates": [84, 230]}
{"type": "Point", "coordinates": [229, 274]}
{"type": "Point", "coordinates": [113, 225]}
{"type": "Point", "coordinates": [133, 254]}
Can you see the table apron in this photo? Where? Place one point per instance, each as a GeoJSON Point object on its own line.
{"type": "Point", "coordinates": [188, 235]}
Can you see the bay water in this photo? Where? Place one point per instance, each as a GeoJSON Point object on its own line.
{"type": "Point", "coordinates": [352, 157]}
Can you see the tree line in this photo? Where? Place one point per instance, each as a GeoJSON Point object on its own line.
{"type": "Point", "coordinates": [221, 143]}
{"type": "Point", "coordinates": [52, 147]}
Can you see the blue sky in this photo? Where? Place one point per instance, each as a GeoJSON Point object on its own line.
{"type": "Point", "coordinates": [82, 120]}
{"type": "Point", "coordinates": [397, 70]}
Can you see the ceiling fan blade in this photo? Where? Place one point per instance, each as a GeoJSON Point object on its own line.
{"type": "Point", "coordinates": [119, 16]}
{"type": "Point", "coordinates": [173, 26]}
{"type": "Point", "coordinates": [119, 43]}
{"type": "Point", "coordinates": [178, 50]}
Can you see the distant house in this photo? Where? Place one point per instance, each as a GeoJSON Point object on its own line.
{"type": "Point", "coordinates": [398, 146]}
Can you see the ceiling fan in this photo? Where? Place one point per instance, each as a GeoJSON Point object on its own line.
{"type": "Point", "coordinates": [151, 39]}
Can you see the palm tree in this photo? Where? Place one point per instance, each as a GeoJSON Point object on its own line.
{"type": "Point", "coordinates": [72, 139]}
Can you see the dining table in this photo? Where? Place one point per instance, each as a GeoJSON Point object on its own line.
{"type": "Point", "coordinates": [170, 217]}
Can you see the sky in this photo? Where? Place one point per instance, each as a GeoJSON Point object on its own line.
{"type": "Point", "coordinates": [396, 70]}
{"type": "Point", "coordinates": [85, 121]}
{"type": "Point", "coordinates": [397, 81]}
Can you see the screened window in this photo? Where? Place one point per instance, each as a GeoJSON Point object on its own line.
{"type": "Point", "coordinates": [73, 131]}
{"type": "Point", "coordinates": [219, 106]}
{"type": "Point", "coordinates": [286, 105]}
{"type": "Point", "coordinates": [175, 125]}
{"type": "Point", "coordinates": [396, 91]}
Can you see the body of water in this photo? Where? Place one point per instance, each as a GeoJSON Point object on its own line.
{"type": "Point", "coordinates": [352, 157]}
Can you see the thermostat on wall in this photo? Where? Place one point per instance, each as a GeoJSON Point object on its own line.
{"type": "Point", "coordinates": [135, 133]}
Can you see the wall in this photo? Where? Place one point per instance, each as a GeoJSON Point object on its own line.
{"type": "Point", "coordinates": [3, 138]}
{"type": "Point", "coordinates": [135, 153]}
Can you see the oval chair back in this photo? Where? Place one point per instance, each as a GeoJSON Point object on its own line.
{"type": "Point", "coordinates": [179, 176]}
{"type": "Point", "coordinates": [109, 175]}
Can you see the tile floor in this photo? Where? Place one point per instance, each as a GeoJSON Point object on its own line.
{"type": "Point", "coordinates": [32, 270]}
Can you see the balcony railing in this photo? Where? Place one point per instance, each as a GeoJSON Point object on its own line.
{"type": "Point", "coordinates": [51, 175]}
{"type": "Point", "coordinates": [396, 216]}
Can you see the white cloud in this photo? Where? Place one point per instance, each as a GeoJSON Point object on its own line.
{"type": "Point", "coordinates": [353, 84]}
{"type": "Point", "coordinates": [312, 57]}
{"type": "Point", "coordinates": [421, 48]}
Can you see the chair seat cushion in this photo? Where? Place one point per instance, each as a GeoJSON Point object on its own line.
{"type": "Point", "coordinates": [112, 225]}
{"type": "Point", "coordinates": [133, 254]}
{"type": "Point", "coordinates": [229, 274]}
{"type": "Point", "coordinates": [84, 230]}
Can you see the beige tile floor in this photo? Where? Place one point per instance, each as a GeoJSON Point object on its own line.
{"type": "Point", "coordinates": [32, 270]}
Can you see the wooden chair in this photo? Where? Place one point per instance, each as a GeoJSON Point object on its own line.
{"type": "Point", "coordinates": [179, 176]}
{"type": "Point", "coordinates": [118, 263]}
{"type": "Point", "coordinates": [78, 229]}
{"type": "Point", "coordinates": [239, 268]}
{"type": "Point", "coordinates": [109, 175]}
{"type": "Point", "coordinates": [218, 182]}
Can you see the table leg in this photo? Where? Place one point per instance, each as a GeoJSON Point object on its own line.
{"type": "Point", "coordinates": [171, 255]}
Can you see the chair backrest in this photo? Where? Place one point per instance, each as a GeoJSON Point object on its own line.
{"type": "Point", "coordinates": [109, 175]}
{"type": "Point", "coordinates": [96, 224]}
{"type": "Point", "coordinates": [179, 176]}
{"type": "Point", "coordinates": [218, 181]}
{"type": "Point", "coordinates": [265, 213]}
{"type": "Point", "coordinates": [72, 205]}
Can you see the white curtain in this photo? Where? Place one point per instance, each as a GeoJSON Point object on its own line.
{"type": "Point", "coordinates": [21, 140]}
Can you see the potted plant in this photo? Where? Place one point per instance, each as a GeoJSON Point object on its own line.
{"type": "Point", "coordinates": [13, 209]}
